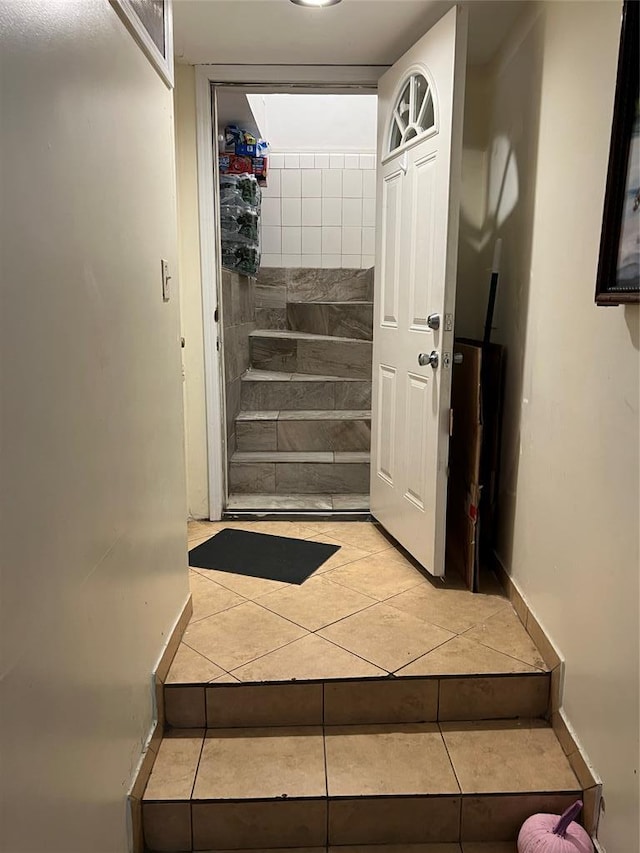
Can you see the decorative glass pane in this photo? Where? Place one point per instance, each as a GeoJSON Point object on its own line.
{"type": "Point", "coordinates": [404, 102]}
{"type": "Point", "coordinates": [428, 120]}
{"type": "Point", "coordinates": [422, 87]}
{"type": "Point", "coordinates": [396, 136]}
{"type": "Point", "coordinates": [413, 114]}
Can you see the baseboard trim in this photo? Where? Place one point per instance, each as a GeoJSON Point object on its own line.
{"type": "Point", "coordinates": [589, 780]}
{"type": "Point", "coordinates": [150, 750]}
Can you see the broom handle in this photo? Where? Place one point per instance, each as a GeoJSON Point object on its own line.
{"type": "Point", "coordinates": [495, 273]}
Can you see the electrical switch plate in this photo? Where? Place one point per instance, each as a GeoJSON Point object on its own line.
{"type": "Point", "coordinates": [166, 278]}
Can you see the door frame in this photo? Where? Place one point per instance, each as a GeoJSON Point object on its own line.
{"type": "Point", "coordinates": [328, 79]}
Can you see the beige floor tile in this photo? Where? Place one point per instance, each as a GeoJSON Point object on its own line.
{"type": "Point", "coordinates": [279, 850]}
{"type": "Point", "coordinates": [385, 636]}
{"type": "Point", "coordinates": [175, 767]}
{"type": "Point", "coordinates": [398, 848]}
{"type": "Point", "coordinates": [198, 530]}
{"type": "Point", "coordinates": [391, 700]}
{"type": "Point", "coordinates": [456, 610]}
{"type": "Point", "coordinates": [238, 764]}
{"type": "Point", "coordinates": [227, 678]}
{"type": "Point", "coordinates": [316, 603]}
{"type": "Point", "coordinates": [361, 534]}
{"type": "Point", "coordinates": [292, 529]}
{"type": "Point", "coordinates": [394, 820]}
{"type": "Point", "coordinates": [308, 658]}
{"type": "Point", "coordinates": [203, 529]}
{"type": "Point", "coordinates": [184, 706]}
{"type": "Point", "coordinates": [346, 554]}
{"type": "Point", "coordinates": [494, 697]}
{"type": "Point", "coordinates": [385, 760]}
{"type": "Point", "coordinates": [209, 597]}
{"type": "Point", "coordinates": [167, 826]}
{"type": "Point", "coordinates": [248, 587]}
{"type": "Point", "coordinates": [264, 705]}
{"type": "Point", "coordinates": [259, 825]}
{"type": "Point", "coordinates": [189, 667]}
{"type": "Point", "coordinates": [505, 633]}
{"type": "Point", "coordinates": [193, 543]}
{"type": "Point", "coordinates": [461, 656]}
{"type": "Point", "coordinates": [499, 818]}
{"type": "Point", "coordinates": [379, 576]}
{"type": "Point", "coordinates": [237, 636]}
{"type": "Point", "coordinates": [509, 756]}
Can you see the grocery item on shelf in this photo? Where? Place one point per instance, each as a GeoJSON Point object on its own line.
{"type": "Point", "coordinates": [240, 198]}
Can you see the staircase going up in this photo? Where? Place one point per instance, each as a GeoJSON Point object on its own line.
{"type": "Point", "coordinates": [304, 429]}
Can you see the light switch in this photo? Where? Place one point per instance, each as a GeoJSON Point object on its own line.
{"type": "Point", "coordinates": [166, 278]}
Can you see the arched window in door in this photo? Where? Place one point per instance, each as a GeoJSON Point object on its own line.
{"type": "Point", "coordinates": [414, 112]}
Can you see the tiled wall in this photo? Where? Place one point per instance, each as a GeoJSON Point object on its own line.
{"type": "Point", "coordinates": [319, 211]}
{"type": "Point", "coordinates": [238, 320]}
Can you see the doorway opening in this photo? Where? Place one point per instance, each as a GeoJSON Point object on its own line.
{"type": "Point", "coordinates": [296, 246]}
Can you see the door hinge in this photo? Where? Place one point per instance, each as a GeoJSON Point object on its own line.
{"type": "Point", "coordinates": [215, 316]}
{"type": "Point", "coordinates": [218, 344]}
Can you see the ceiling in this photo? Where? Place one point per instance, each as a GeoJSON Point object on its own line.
{"type": "Point", "coordinates": [355, 32]}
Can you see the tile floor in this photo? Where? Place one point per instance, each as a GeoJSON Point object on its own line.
{"type": "Point", "coordinates": [361, 780]}
{"type": "Point", "coordinates": [366, 612]}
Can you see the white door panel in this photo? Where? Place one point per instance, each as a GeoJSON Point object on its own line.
{"type": "Point", "coordinates": [419, 150]}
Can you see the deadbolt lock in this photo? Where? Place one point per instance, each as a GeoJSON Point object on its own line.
{"type": "Point", "coordinates": [433, 321]}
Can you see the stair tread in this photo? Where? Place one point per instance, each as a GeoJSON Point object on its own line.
{"type": "Point", "coordinates": [330, 302]}
{"type": "Point", "coordinates": [328, 456]}
{"type": "Point", "coordinates": [288, 334]}
{"type": "Point", "coordinates": [255, 375]}
{"type": "Point", "coordinates": [354, 502]}
{"type": "Point", "coordinates": [426, 759]}
{"type": "Point", "coordinates": [306, 415]}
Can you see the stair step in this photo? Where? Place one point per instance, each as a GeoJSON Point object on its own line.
{"type": "Point", "coordinates": [349, 319]}
{"type": "Point", "coordinates": [302, 430]}
{"type": "Point", "coordinates": [304, 284]}
{"type": "Point", "coordinates": [294, 472]}
{"type": "Point", "coordinates": [307, 415]}
{"type": "Point", "coordinates": [294, 503]}
{"type": "Point", "coordinates": [285, 787]}
{"type": "Point", "coordinates": [303, 352]}
{"type": "Point", "coordinates": [323, 456]}
{"type": "Point", "coordinates": [268, 389]}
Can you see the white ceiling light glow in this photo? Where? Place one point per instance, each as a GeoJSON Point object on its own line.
{"type": "Point", "coordinates": [318, 4]}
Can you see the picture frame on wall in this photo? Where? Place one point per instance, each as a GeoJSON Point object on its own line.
{"type": "Point", "coordinates": [150, 22]}
{"type": "Point", "coordinates": [618, 279]}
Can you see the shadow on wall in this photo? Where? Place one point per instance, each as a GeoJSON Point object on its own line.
{"type": "Point", "coordinates": [502, 112]}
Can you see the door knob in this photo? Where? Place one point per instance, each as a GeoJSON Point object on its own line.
{"type": "Point", "coordinates": [431, 358]}
{"type": "Point", "coordinates": [433, 321]}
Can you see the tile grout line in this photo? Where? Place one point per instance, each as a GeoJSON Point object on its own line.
{"type": "Point", "coordinates": [195, 776]}
{"type": "Point", "coordinates": [326, 770]}
{"type": "Point", "coordinates": [456, 778]}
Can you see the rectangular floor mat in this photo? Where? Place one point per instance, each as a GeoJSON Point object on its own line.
{"type": "Point", "coordinates": [260, 555]}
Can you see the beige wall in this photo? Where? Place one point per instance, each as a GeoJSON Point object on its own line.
{"type": "Point", "coordinates": [570, 477]}
{"type": "Point", "coordinates": [191, 292]}
{"type": "Point", "coordinates": [93, 493]}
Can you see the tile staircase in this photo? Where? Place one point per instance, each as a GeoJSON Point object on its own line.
{"type": "Point", "coordinates": [304, 429]}
{"type": "Point", "coordinates": [317, 752]}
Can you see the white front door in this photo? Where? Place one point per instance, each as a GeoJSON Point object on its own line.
{"type": "Point", "coordinates": [420, 109]}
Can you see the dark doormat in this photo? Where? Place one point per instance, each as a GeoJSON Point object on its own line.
{"type": "Point", "coordinates": [259, 555]}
